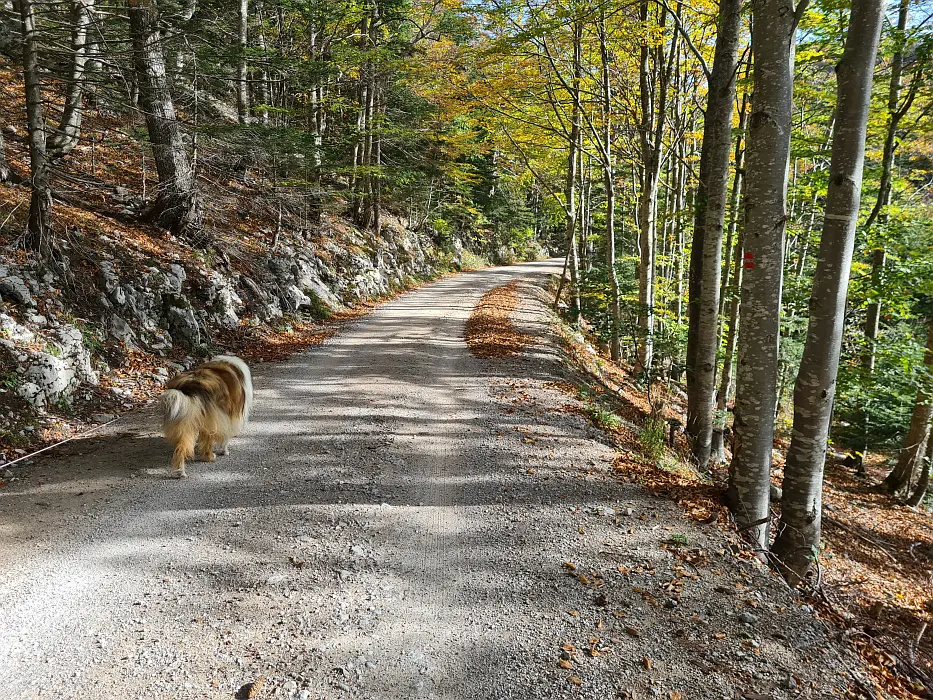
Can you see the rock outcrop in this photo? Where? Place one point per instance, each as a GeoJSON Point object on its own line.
{"type": "Point", "coordinates": [158, 306]}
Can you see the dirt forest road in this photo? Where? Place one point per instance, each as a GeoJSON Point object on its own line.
{"type": "Point", "coordinates": [393, 523]}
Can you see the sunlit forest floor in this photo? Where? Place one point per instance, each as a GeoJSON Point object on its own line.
{"type": "Point", "coordinates": [874, 578]}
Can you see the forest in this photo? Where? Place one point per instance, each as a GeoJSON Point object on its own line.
{"type": "Point", "coordinates": [741, 191]}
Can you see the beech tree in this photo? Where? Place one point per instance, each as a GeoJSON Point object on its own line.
{"type": "Point", "coordinates": [66, 137]}
{"type": "Point", "coordinates": [773, 43]}
{"type": "Point", "coordinates": [38, 235]}
{"type": "Point", "coordinates": [177, 206]}
{"type": "Point", "coordinates": [798, 539]}
{"type": "Point", "coordinates": [707, 241]}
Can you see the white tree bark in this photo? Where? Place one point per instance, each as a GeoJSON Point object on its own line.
{"type": "Point", "coordinates": [773, 44]}
{"type": "Point", "coordinates": [242, 83]}
{"type": "Point", "coordinates": [717, 141]}
{"type": "Point", "coordinates": [799, 537]}
{"type": "Point", "coordinates": [615, 346]}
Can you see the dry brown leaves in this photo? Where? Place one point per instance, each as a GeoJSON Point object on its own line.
{"type": "Point", "coordinates": [490, 332]}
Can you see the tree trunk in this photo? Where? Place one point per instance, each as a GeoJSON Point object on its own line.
{"type": "Point", "coordinates": [903, 471]}
{"type": "Point", "coordinates": [242, 83]}
{"type": "Point", "coordinates": [178, 204]}
{"type": "Point", "coordinates": [4, 166]}
{"type": "Point", "coordinates": [737, 187]}
{"type": "Point", "coordinates": [570, 190]}
{"type": "Point", "coordinates": [38, 236]}
{"type": "Point", "coordinates": [63, 141]}
{"type": "Point", "coordinates": [920, 490]}
{"type": "Point", "coordinates": [679, 233]}
{"type": "Point", "coordinates": [799, 538]}
{"type": "Point", "coordinates": [717, 141]}
{"type": "Point", "coordinates": [896, 112]}
{"type": "Point", "coordinates": [725, 384]}
{"type": "Point", "coordinates": [651, 130]}
{"type": "Point", "coordinates": [263, 74]}
{"type": "Point", "coordinates": [615, 344]}
{"type": "Point", "coordinates": [773, 43]}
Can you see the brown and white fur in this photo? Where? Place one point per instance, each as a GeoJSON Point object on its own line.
{"type": "Point", "coordinates": [206, 406]}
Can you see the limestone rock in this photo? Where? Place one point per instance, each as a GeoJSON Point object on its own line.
{"type": "Point", "coordinates": [16, 290]}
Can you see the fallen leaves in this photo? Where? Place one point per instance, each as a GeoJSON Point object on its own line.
{"type": "Point", "coordinates": [250, 690]}
{"type": "Point", "coordinates": [489, 332]}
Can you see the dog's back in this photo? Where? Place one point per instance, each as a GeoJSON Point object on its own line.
{"type": "Point", "coordinates": [204, 406]}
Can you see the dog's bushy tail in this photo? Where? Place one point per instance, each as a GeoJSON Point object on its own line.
{"type": "Point", "coordinates": [176, 407]}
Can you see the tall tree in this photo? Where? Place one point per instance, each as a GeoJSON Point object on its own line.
{"type": "Point", "coordinates": [773, 46]}
{"type": "Point", "coordinates": [242, 82]}
{"type": "Point", "coordinates": [38, 236]}
{"type": "Point", "coordinates": [897, 110]}
{"type": "Point", "coordinates": [731, 291]}
{"type": "Point", "coordinates": [615, 348]}
{"type": "Point", "coordinates": [572, 215]}
{"type": "Point", "coordinates": [66, 137]}
{"type": "Point", "coordinates": [717, 143]}
{"type": "Point", "coordinates": [653, 93]}
{"type": "Point", "coordinates": [177, 206]}
{"type": "Point", "coordinates": [799, 537]}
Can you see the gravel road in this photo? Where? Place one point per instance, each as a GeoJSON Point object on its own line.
{"type": "Point", "coordinates": [393, 523]}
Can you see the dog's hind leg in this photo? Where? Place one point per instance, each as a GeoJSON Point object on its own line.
{"type": "Point", "coordinates": [224, 447]}
{"type": "Point", "coordinates": [184, 449]}
{"type": "Point", "coordinates": [206, 445]}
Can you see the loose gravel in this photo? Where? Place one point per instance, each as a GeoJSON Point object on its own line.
{"type": "Point", "coordinates": [399, 520]}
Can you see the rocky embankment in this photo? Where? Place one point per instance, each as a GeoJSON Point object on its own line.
{"type": "Point", "coordinates": [65, 327]}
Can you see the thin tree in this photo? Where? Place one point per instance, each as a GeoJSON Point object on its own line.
{"type": "Point", "coordinates": [897, 110]}
{"type": "Point", "coordinates": [773, 46]}
{"type": "Point", "coordinates": [717, 143]}
{"type": "Point", "coordinates": [653, 101]}
{"type": "Point", "coordinates": [242, 83]}
{"type": "Point", "coordinates": [178, 203]}
{"type": "Point", "coordinates": [899, 477]}
{"type": "Point", "coordinates": [38, 236]}
{"type": "Point", "coordinates": [66, 137]}
{"type": "Point", "coordinates": [799, 536]}
{"type": "Point", "coordinates": [923, 481]}
{"type": "Point", "coordinates": [732, 325]}
{"type": "Point", "coordinates": [615, 347]}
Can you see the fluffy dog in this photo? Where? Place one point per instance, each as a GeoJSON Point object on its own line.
{"type": "Point", "coordinates": [206, 406]}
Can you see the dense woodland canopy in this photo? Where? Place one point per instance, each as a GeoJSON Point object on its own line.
{"type": "Point", "coordinates": [745, 211]}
